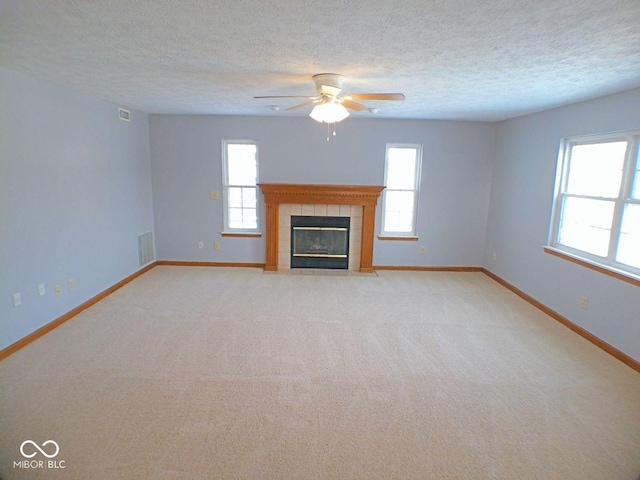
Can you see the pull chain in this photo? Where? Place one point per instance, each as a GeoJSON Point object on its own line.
{"type": "Point", "coordinates": [334, 131]}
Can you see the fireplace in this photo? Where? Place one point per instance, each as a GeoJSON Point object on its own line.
{"type": "Point", "coordinates": [320, 242]}
{"type": "Point", "coordinates": [329, 200]}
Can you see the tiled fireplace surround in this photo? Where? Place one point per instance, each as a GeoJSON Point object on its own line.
{"type": "Point", "coordinates": [285, 212]}
{"type": "Point", "coordinates": [354, 201]}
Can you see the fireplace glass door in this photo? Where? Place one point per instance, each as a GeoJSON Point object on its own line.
{"type": "Point", "coordinates": [320, 242]}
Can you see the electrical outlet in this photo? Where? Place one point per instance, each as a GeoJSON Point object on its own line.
{"type": "Point", "coordinates": [201, 245]}
{"type": "Point", "coordinates": [17, 299]}
{"type": "Point", "coordinates": [213, 195]}
{"type": "Point", "coordinates": [583, 302]}
{"type": "Point", "coordinates": [58, 291]}
{"type": "Point", "coordinates": [41, 290]}
{"type": "Point", "coordinates": [495, 256]}
{"type": "Point", "coordinates": [72, 284]}
{"type": "Point", "coordinates": [216, 246]}
{"type": "Point", "coordinates": [421, 250]}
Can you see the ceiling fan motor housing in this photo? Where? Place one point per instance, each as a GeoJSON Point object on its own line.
{"type": "Point", "coordinates": [334, 80]}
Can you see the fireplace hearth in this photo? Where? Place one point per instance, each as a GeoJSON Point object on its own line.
{"type": "Point", "coordinates": [320, 242]}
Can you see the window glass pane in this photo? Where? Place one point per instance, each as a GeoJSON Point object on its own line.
{"type": "Point", "coordinates": [249, 199]}
{"type": "Point", "coordinates": [636, 182]}
{"type": "Point", "coordinates": [405, 222]}
{"type": "Point", "coordinates": [249, 218]}
{"type": "Point", "coordinates": [596, 169]}
{"type": "Point", "coordinates": [391, 221]}
{"type": "Point", "coordinates": [629, 243]}
{"type": "Point", "coordinates": [243, 218]}
{"type": "Point", "coordinates": [585, 224]}
{"type": "Point", "coordinates": [235, 217]}
{"type": "Point", "coordinates": [235, 197]}
{"type": "Point", "coordinates": [401, 168]}
{"type": "Point", "coordinates": [242, 166]}
{"type": "Point", "coordinates": [398, 215]}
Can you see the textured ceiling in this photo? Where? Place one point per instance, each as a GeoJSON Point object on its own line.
{"type": "Point", "coordinates": [453, 59]}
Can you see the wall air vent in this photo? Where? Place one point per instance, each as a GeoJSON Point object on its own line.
{"type": "Point", "coordinates": [124, 114]}
{"type": "Point", "coordinates": [145, 248]}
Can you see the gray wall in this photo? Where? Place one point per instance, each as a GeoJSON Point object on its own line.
{"type": "Point", "coordinates": [520, 210]}
{"type": "Point", "coordinates": [456, 176]}
{"type": "Point", "coordinates": [75, 191]}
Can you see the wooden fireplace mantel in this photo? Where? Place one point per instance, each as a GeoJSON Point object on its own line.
{"type": "Point", "coordinates": [365, 195]}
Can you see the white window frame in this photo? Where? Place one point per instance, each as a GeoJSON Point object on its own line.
{"type": "Point", "coordinates": [226, 186]}
{"type": "Point", "coordinates": [418, 174]}
{"type": "Point", "coordinates": [608, 262]}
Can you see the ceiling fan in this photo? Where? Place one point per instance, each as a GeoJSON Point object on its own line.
{"type": "Point", "coordinates": [330, 105]}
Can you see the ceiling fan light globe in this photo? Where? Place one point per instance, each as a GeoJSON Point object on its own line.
{"type": "Point", "coordinates": [316, 114]}
{"type": "Point", "coordinates": [330, 112]}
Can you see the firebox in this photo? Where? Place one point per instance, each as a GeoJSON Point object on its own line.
{"type": "Point", "coordinates": [320, 242]}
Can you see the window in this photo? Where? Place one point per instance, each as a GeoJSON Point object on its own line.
{"type": "Point", "coordinates": [240, 174]}
{"type": "Point", "coordinates": [400, 198]}
{"type": "Point", "coordinates": [596, 213]}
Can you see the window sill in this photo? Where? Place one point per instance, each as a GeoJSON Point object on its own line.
{"type": "Point", "coordinates": [398, 238]}
{"type": "Point", "coordinates": [242, 234]}
{"type": "Point", "coordinates": [605, 269]}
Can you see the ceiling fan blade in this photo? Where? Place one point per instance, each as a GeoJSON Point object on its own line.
{"type": "Point", "coordinates": [358, 107]}
{"type": "Point", "coordinates": [287, 96]}
{"type": "Point", "coordinates": [300, 105]}
{"type": "Point", "coordinates": [375, 96]}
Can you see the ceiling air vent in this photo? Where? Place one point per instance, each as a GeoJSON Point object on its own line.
{"type": "Point", "coordinates": [124, 114]}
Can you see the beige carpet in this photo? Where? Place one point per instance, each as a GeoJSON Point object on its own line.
{"type": "Point", "coordinates": [200, 373]}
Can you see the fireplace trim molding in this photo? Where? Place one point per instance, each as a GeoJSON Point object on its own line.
{"type": "Point", "coordinates": [364, 195]}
